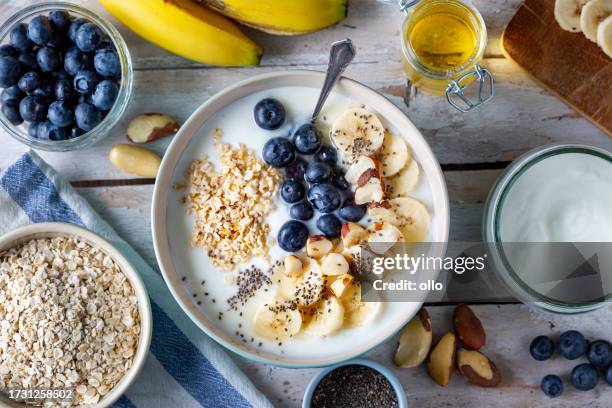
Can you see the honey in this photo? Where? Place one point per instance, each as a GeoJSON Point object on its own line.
{"type": "Point", "coordinates": [442, 39]}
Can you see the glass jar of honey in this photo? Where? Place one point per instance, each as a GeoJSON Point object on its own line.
{"type": "Point", "coordinates": [443, 42]}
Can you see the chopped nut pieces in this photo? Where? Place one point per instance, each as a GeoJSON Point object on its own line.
{"type": "Point", "coordinates": [69, 319]}
{"type": "Point", "coordinates": [230, 206]}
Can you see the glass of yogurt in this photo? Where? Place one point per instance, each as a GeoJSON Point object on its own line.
{"type": "Point", "coordinates": [547, 228]}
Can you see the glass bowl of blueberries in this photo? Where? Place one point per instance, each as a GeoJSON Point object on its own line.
{"type": "Point", "coordinates": [65, 76]}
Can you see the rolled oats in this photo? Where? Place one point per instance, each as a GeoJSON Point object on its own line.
{"type": "Point", "coordinates": [68, 319]}
{"type": "Point", "coordinates": [230, 205]}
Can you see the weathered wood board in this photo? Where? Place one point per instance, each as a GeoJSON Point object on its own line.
{"type": "Point", "coordinates": [567, 64]}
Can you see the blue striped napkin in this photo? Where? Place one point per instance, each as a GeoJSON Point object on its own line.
{"type": "Point", "coordinates": [184, 368]}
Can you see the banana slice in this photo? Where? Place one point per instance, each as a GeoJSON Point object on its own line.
{"type": "Point", "coordinates": [394, 155]}
{"type": "Point", "coordinates": [404, 182]}
{"type": "Point", "coordinates": [593, 13]}
{"type": "Point", "coordinates": [567, 14]}
{"type": "Point", "coordinates": [604, 36]}
{"type": "Point", "coordinates": [413, 218]}
{"type": "Point", "coordinates": [277, 320]}
{"type": "Point", "coordinates": [357, 132]}
{"type": "Point", "coordinates": [306, 288]}
{"type": "Point", "coordinates": [356, 312]}
{"type": "Point", "coordinates": [325, 318]}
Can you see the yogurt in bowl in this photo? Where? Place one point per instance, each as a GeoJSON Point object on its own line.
{"type": "Point", "coordinates": [549, 227]}
{"type": "Point", "coordinates": [194, 274]}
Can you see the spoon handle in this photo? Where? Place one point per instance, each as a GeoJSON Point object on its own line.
{"type": "Point", "coordinates": [340, 56]}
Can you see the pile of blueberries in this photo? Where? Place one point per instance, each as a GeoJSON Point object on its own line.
{"type": "Point", "coordinates": [59, 74]}
{"type": "Point", "coordinates": [573, 345]}
{"type": "Point", "coordinates": [309, 185]}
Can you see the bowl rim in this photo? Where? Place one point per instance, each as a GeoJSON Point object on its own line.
{"type": "Point", "coordinates": [52, 229]}
{"type": "Point", "coordinates": [190, 128]}
{"type": "Point", "coordinates": [402, 398]}
{"type": "Point", "coordinates": [114, 115]}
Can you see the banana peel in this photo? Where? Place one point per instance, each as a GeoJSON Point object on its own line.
{"type": "Point", "coordinates": [282, 17]}
{"type": "Point", "coordinates": [188, 29]}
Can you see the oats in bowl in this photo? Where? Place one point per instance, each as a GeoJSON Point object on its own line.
{"type": "Point", "coordinates": [69, 318]}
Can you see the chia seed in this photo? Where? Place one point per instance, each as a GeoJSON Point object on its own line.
{"type": "Point", "coordinates": [249, 281]}
{"type": "Point", "coordinates": [354, 386]}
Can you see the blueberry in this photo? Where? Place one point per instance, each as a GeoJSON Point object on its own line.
{"type": "Point", "coordinates": [33, 130]}
{"type": "Point", "coordinates": [584, 377]}
{"type": "Point", "coordinates": [64, 90]}
{"type": "Point", "coordinates": [301, 211]}
{"type": "Point", "coordinates": [19, 37]}
{"type": "Point", "coordinates": [307, 139]}
{"type": "Point", "coordinates": [88, 37]}
{"type": "Point", "coordinates": [292, 191]}
{"type": "Point", "coordinates": [60, 113]}
{"type": "Point", "coordinates": [292, 236]}
{"type": "Point", "coordinates": [324, 197]}
{"type": "Point", "coordinates": [8, 50]}
{"type": "Point", "coordinates": [608, 374]}
{"type": "Point", "coordinates": [48, 131]}
{"type": "Point", "coordinates": [87, 116]}
{"type": "Point", "coordinates": [327, 154]}
{"type": "Point", "coordinates": [107, 64]}
{"type": "Point", "coordinates": [9, 71]}
{"type": "Point", "coordinates": [339, 181]}
{"type": "Point", "coordinates": [45, 89]}
{"type": "Point", "coordinates": [552, 386]}
{"type": "Point", "coordinates": [76, 132]}
{"type": "Point", "coordinates": [572, 344]}
{"type": "Point", "coordinates": [75, 61]}
{"type": "Point", "coordinates": [317, 173]}
{"type": "Point", "coordinates": [60, 20]}
{"type": "Point", "coordinates": [28, 61]}
{"type": "Point", "coordinates": [269, 114]}
{"type": "Point", "coordinates": [74, 27]}
{"type": "Point", "coordinates": [85, 81]}
{"type": "Point", "coordinates": [105, 94]}
{"type": "Point", "coordinates": [48, 59]}
{"type": "Point", "coordinates": [39, 30]}
{"type": "Point", "coordinates": [297, 169]}
{"type": "Point", "coordinates": [329, 225]}
{"type": "Point", "coordinates": [11, 93]}
{"type": "Point", "coordinates": [29, 82]}
{"type": "Point", "coordinates": [352, 212]}
{"type": "Point", "coordinates": [278, 152]}
{"type": "Point", "coordinates": [10, 109]}
{"type": "Point", "coordinates": [599, 353]}
{"type": "Point", "coordinates": [541, 348]}
{"type": "Point", "coordinates": [33, 108]}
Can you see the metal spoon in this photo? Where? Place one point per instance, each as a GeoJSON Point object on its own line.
{"type": "Point", "coordinates": [340, 56]}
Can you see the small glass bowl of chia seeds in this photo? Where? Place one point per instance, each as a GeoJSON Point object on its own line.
{"type": "Point", "coordinates": [355, 383]}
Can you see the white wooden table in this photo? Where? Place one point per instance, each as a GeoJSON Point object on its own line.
{"type": "Point", "coordinates": [472, 149]}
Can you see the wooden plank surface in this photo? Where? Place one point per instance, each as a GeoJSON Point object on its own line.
{"type": "Point", "coordinates": [472, 148]}
{"type": "Point", "coordinates": [522, 116]}
{"type": "Point", "coordinates": [567, 64]}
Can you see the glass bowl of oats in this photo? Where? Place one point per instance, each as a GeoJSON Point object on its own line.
{"type": "Point", "coordinates": [75, 318]}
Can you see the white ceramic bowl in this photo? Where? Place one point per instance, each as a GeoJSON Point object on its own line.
{"type": "Point", "coordinates": [54, 229]}
{"type": "Point", "coordinates": [171, 248]}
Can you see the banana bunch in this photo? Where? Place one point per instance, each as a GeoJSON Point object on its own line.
{"type": "Point", "coordinates": [591, 17]}
{"type": "Point", "coordinates": [190, 29]}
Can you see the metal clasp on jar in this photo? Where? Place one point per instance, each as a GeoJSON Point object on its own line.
{"type": "Point", "coordinates": [455, 94]}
